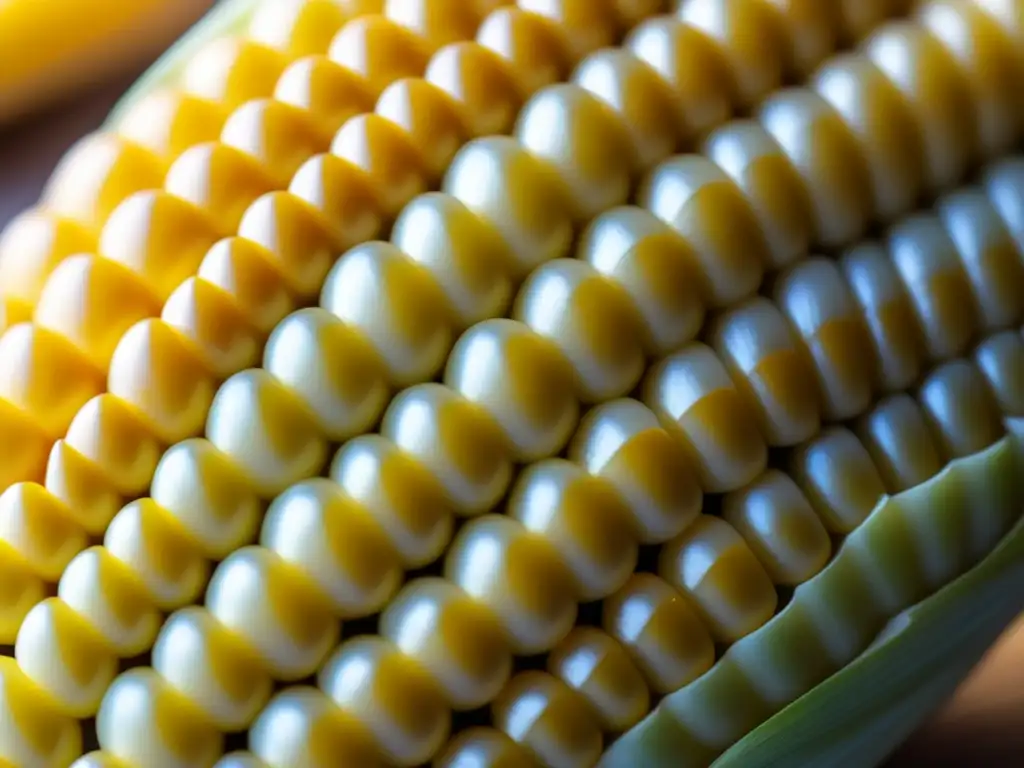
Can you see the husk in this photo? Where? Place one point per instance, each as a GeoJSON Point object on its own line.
{"type": "Point", "coordinates": [859, 715]}
{"type": "Point", "coordinates": [226, 18]}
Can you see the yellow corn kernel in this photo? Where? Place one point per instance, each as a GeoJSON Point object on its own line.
{"type": "Point", "coordinates": [21, 591]}
{"type": "Point", "coordinates": [176, 732]}
{"type": "Point", "coordinates": [222, 338]}
{"type": "Point", "coordinates": [408, 715]}
{"type": "Point", "coordinates": [81, 485]}
{"type": "Point", "coordinates": [533, 45]}
{"type": "Point", "coordinates": [862, 94]}
{"type": "Point", "coordinates": [168, 122]}
{"type": "Point", "coordinates": [231, 71]}
{"type": "Point", "coordinates": [693, 395]}
{"type": "Point", "coordinates": [204, 660]}
{"type": "Point", "coordinates": [427, 422]}
{"type": "Point", "coordinates": [405, 498]}
{"type": "Point", "coordinates": [159, 237]}
{"type": "Point", "coordinates": [987, 57]}
{"type": "Point", "coordinates": [340, 377]}
{"type": "Point", "coordinates": [254, 594]}
{"type": "Point", "coordinates": [593, 323]}
{"type": "Point", "coordinates": [498, 561]}
{"type": "Point", "coordinates": [491, 177]}
{"type": "Point", "coordinates": [444, 629]}
{"type": "Point", "coordinates": [779, 525]}
{"type": "Point", "coordinates": [465, 254]}
{"type": "Point", "coordinates": [220, 180]}
{"type": "Point", "coordinates": [255, 414]}
{"type": "Point", "coordinates": [246, 272]}
{"type": "Point", "coordinates": [31, 247]}
{"type": "Point", "coordinates": [824, 316]}
{"type": "Point", "coordinates": [301, 241]}
{"type": "Point", "coordinates": [92, 301]}
{"type": "Point", "coordinates": [40, 528]}
{"type": "Point", "coordinates": [692, 66]}
{"type": "Point", "coordinates": [587, 26]}
{"type": "Point", "coordinates": [927, 75]}
{"type": "Point", "coordinates": [406, 318]}
{"type": "Point", "coordinates": [484, 746]}
{"type": "Point", "coordinates": [159, 549]}
{"type": "Point", "coordinates": [999, 360]}
{"type": "Point", "coordinates": [97, 759]}
{"type": "Point", "coordinates": [584, 517]}
{"type": "Point", "coordinates": [750, 36]}
{"type": "Point", "coordinates": [431, 118]}
{"type": "Point", "coordinates": [279, 136]}
{"type": "Point", "coordinates": [594, 664]}
{"type": "Point", "coordinates": [762, 357]}
{"type": "Point", "coordinates": [302, 726]}
{"type": "Point", "coordinates": [381, 50]}
{"type": "Point", "coordinates": [715, 568]}
{"type": "Point", "coordinates": [480, 82]}
{"type": "Point", "coordinates": [884, 303]}
{"type": "Point", "coordinates": [33, 733]}
{"type": "Point", "coordinates": [471, 256]}
{"type": "Point", "coordinates": [661, 631]}
{"type": "Point", "coordinates": [537, 411]}
{"type": "Point", "coordinates": [98, 173]}
{"type": "Point", "coordinates": [45, 376]}
{"type": "Point", "coordinates": [115, 600]}
{"type": "Point", "coordinates": [694, 197]}
{"type": "Point", "coordinates": [327, 92]}
{"type": "Point", "coordinates": [772, 185]}
{"type": "Point", "coordinates": [550, 719]}
{"type": "Point", "coordinates": [314, 526]}
{"type": "Point", "coordinates": [156, 371]}
{"type": "Point", "coordinates": [204, 491]}
{"type": "Point", "coordinates": [60, 652]}
{"type": "Point", "coordinates": [298, 27]}
{"type": "Point", "coordinates": [107, 433]}
{"type": "Point", "coordinates": [623, 442]}
{"type": "Point", "coordinates": [838, 478]}
{"type": "Point", "coordinates": [826, 154]}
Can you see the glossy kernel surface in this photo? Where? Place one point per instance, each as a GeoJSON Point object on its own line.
{"type": "Point", "coordinates": [498, 370]}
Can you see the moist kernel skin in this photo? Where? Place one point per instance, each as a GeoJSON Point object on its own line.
{"type": "Point", "coordinates": [772, 373]}
{"type": "Point", "coordinates": [224, 186]}
{"type": "Point", "coordinates": [457, 210]}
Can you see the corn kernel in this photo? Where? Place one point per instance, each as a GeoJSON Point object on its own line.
{"type": "Point", "coordinates": [31, 246]}
{"type": "Point", "coordinates": [552, 721]}
{"type": "Point", "coordinates": [514, 263]}
{"type": "Point", "coordinates": [301, 726]}
{"type": "Point", "coordinates": [938, 91]}
{"type": "Point", "coordinates": [480, 83]}
{"type": "Point", "coordinates": [231, 71]}
{"type": "Point", "coordinates": [144, 721]}
{"type": "Point", "coordinates": [98, 173]}
{"type": "Point", "coordinates": [297, 27]}
{"type": "Point", "coordinates": [168, 122]}
{"type": "Point", "coordinates": [458, 640]}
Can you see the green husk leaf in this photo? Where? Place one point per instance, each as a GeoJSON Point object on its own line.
{"type": "Point", "coordinates": [863, 713]}
{"type": "Point", "coordinates": [227, 17]}
{"type": "Point", "coordinates": [856, 717]}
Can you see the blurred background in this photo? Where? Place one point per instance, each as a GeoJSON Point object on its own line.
{"type": "Point", "coordinates": [982, 726]}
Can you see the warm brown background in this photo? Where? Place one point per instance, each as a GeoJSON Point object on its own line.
{"type": "Point", "coordinates": [983, 726]}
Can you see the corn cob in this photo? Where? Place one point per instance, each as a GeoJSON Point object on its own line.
{"type": "Point", "coordinates": [228, 336]}
{"type": "Point", "coordinates": [794, 378]}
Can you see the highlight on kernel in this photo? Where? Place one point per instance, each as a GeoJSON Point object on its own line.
{"type": "Point", "coordinates": [549, 383]}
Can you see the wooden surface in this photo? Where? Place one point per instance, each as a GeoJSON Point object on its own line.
{"type": "Point", "coordinates": [983, 726]}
